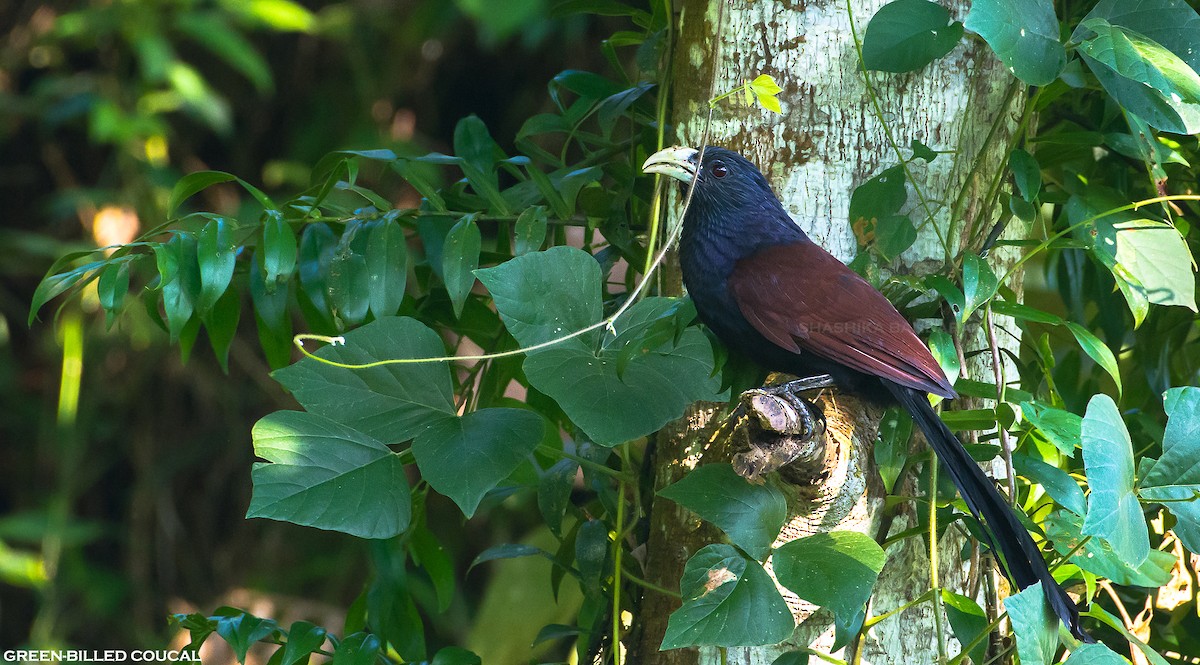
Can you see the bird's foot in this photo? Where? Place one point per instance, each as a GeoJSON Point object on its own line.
{"type": "Point", "coordinates": [797, 386]}
{"type": "Point", "coordinates": [783, 429]}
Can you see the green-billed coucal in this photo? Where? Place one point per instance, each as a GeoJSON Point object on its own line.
{"type": "Point", "coordinates": [771, 293]}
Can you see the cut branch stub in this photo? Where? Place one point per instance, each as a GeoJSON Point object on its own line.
{"type": "Point", "coordinates": [782, 430]}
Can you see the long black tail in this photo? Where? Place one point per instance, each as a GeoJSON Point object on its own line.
{"type": "Point", "coordinates": [1023, 560]}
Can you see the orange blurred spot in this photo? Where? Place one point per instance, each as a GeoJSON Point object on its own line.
{"type": "Point", "coordinates": [114, 225]}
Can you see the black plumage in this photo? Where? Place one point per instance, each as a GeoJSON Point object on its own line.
{"type": "Point", "coordinates": [771, 293]}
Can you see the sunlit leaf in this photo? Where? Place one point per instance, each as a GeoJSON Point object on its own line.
{"type": "Point", "coordinates": [1113, 511]}
{"type": "Point", "coordinates": [325, 475]}
{"type": "Point", "coordinates": [1023, 33]}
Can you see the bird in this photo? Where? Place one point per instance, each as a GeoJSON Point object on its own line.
{"type": "Point", "coordinates": [766, 290]}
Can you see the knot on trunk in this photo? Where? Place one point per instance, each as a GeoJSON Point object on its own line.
{"type": "Point", "coordinates": [784, 432]}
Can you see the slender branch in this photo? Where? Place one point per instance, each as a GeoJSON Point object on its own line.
{"type": "Point", "coordinates": [998, 371]}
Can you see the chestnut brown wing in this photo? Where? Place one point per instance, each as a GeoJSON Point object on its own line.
{"type": "Point", "coordinates": [806, 301]}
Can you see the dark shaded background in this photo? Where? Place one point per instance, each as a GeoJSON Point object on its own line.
{"type": "Point", "coordinates": [131, 505]}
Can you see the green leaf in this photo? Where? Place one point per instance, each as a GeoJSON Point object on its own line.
{"type": "Point", "coordinates": [279, 247]}
{"type": "Point", "coordinates": [546, 295]}
{"type": "Point", "coordinates": [530, 230]}
{"type": "Point", "coordinates": [317, 245]}
{"type": "Point", "coordinates": [391, 611]}
{"type": "Point", "coordinates": [430, 555]}
{"type": "Point", "coordinates": [1095, 654]}
{"type": "Point", "coordinates": [192, 183]}
{"type": "Point", "coordinates": [1143, 76]}
{"type": "Point", "coordinates": [217, 254]}
{"type": "Point", "coordinates": [389, 403]}
{"type": "Point", "coordinates": [326, 475]}
{"type": "Point", "coordinates": [277, 14]}
{"type": "Point", "coordinates": [1026, 173]}
{"type": "Point", "coordinates": [1062, 428]}
{"type": "Point", "coordinates": [221, 323]}
{"type": "Point", "coordinates": [1025, 312]}
{"type": "Point", "coordinates": [460, 258]}
{"type": "Point", "coordinates": [879, 197]}
{"type": "Point", "coordinates": [941, 344]}
{"type": "Point", "coordinates": [1057, 483]}
{"type": "Point", "coordinates": [464, 458]}
{"type": "Point", "coordinates": [728, 600]}
{"type": "Point", "coordinates": [413, 172]}
{"type": "Point", "coordinates": [947, 290]}
{"type": "Point", "coordinates": [906, 35]}
{"type": "Point", "coordinates": [1097, 351]}
{"type": "Point", "coordinates": [623, 393]}
{"type": "Point", "coordinates": [271, 315]}
{"type": "Point", "coordinates": [357, 649]}
{"type": "Point", "coordinates": [751, 515]}
{"type": "Point", "coordinates": [455, 656]}
{"type": "Point", "coordinates": [967, 620]}
{"type": "Point", "coordinates": [111, 288]}
{"type": "Point", "coordinates": [979, 285]}
{"type": "Point", "coordinates": [1097, 557]}
{"type": "Point", "coordinates": [387, 267]}
{"type": "Point", "coordinates": [1034, 624]}
{"type": "Point", "coordinates": [1021, 208]}
{"type": "Point", "coordinates": [1180, 461]}
{"type": "Point", "coordinates": [764, 84]}
{"type": "Point", "coordinates": [554, 493]}
{"type": "Point", "coordinates": [479, 154]}
{"type": "Point", "coordinates": [891, 448]}
{"type": "Point", "coordinates": [922, 151]}
{"type": "Point", "coordinates": [241, 630]}
{"type": "Point", "coordinates": [1159, 259]}
{"type": "Point", "coordinates": [348, 279]}
{"type": "Point", "coordinates": [836, 570]}
{"type": "Point", "coordinates": [56, 283]}
{"type": "Point", "coordinates": [303, 639]}
{"type": "Point", "coordinates": [1024, 34]}
{"type": "Point", "coordinates": [1113, 511]}
{"type": "Point", "coordinates": [793, 658]}
{"type": "Point", "coordinates": [893, 235]}
{"type": "Point", "coordinates": [509, 551]}
{"type": "Point", "coordinates": [591, 554]}
{"type": "Point", "coordinates": [179, 280]}
{"type": "Point", "coordinates": [1175, 477]}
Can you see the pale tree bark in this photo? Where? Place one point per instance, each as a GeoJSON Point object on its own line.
{"type": "Point", "coordinates": [828, 140]}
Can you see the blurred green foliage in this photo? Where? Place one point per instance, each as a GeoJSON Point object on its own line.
{"type": "Point", "coordinates": [125, 473]}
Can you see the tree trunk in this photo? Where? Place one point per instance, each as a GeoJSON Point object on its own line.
{"type": "Point", "coordinates": [829, 140]}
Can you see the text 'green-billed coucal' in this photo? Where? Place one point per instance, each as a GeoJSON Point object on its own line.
{"type": "Point", "coordinates": [771, 293]}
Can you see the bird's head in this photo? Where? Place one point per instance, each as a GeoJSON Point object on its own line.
{"type": "Point", "coordinates": [728, 187]}
{"type": "Point", "coordinates": [723, 170]}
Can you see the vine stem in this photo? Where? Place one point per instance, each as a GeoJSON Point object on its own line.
{"type": "Point", "coordinates": [1006, 446]}
{"type": "Point", "coordinates": [934, 582]}
{"type": "Point", "coordinates": [616, 592]}
{"type": "Point", "coordinates": [658, 203]}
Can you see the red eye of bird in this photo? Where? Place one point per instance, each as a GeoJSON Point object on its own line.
{"type": "Point", "coordinates": [719, 169]}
